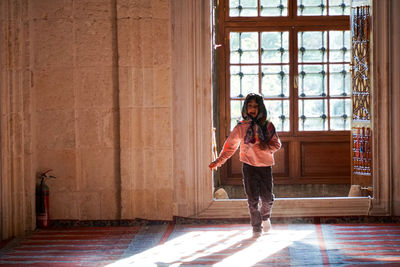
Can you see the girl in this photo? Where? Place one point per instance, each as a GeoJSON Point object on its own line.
{"type": "Point", "coordinates": [259, 142]}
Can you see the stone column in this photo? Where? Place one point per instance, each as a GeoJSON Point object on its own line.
{"type": "Point", "coordinates": [144, 50]}
{"type": "Point", "coordinates": [17, 176]}
{"type": "Point", "coordinates": [395, 105]}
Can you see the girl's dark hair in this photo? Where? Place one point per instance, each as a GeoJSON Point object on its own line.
{"type": "Point", "coordinates": [261, 119]}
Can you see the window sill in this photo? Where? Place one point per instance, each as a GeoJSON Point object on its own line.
{"type": "Point", "coordinates": [292, 207]}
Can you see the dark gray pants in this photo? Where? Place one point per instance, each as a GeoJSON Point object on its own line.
{"type": "Point", "coordinates": [258, 184]}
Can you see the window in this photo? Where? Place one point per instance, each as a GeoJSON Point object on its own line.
{"type": "Point", "coordinates": [296, 54]}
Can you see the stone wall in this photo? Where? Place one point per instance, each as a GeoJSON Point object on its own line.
{"type": "Point", "coordinates": [73, 61]}
{"type": "Point", "coordinates": [85, 91]}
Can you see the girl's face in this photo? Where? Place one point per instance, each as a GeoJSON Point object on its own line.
{"type": "Point", "coordinates": [252, 108]}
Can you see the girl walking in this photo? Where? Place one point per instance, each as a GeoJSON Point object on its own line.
{"type": "Point", "coordinates": [258, 142]}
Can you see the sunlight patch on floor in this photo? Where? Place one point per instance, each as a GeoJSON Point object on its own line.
{"type": "Point", "coordinates": [232, 247]}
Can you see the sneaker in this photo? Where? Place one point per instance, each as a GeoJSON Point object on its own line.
{"type": "Point", "coordinates": [266, 226]}
{"type": "Point", "coordinates": [256, 234]}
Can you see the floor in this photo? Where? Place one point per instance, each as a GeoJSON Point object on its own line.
{"type": "Point", "coordinates": [194, 244]}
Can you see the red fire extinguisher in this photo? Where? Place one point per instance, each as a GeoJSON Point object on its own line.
{"type": "Point", "coordinates": [42, 201]}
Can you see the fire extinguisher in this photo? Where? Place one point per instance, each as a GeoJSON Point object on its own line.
{"type": "Point", "coordinates": [42, 201]}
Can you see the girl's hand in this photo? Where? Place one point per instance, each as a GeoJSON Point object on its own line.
{"type": "Point", "coordinates": [212, 165]}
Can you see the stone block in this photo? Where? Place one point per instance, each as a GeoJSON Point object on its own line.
{"type": "Point", "coordinates": [140, 136]}
{"type": "Point", "coordinates": [55, 129]}
{"type": "Point", "coordinates": [164, 204]}
{"type": "Point", "coordinates": [163, 166]}
{"type": "Point", "coordinates": [93, 43]}
{"type": "Point", "coordinates": [95, 87]}
{"type": "Point", "coordinates": [3, 43]}
{"type": "Point", "coordinates": [147, 41]}
{"type": "Point", "coordinates": [161, 45]}
{"type": "Point", "coordinates": [160, 9]}
{"type": "Point", "coordinates": [90, 206]}
{"type": "Point", "coordinates": [139, 204]}
{"type": "Point", "coordinates": [131, 135]}
{"type": "Point", "coordinates": [52, 43]}
{"type": "Point", "coordinates": [150, 203]}
{"type": "Point", "coordinates": [96, 128]}
{"type": "Point", "coordinates": [64, 206]}
{"type": "Point", "coordinates": [50, 9]}
{"type": "Point", "coordinates": [98, 169]}
{"type": "Point", "coordinates": [28, 139]}
{"type": "Point", "coordinates": [17, 90]}
{"type": "Point", "coordinates": [134, 8]}
{"type": "Point", "coordinates": [162, 87]}
{"type": "Point", "coordinates": [162, 128]}
{"type": "Point", "coordinates": [54, 89]}
{"type": "Point", "coordinates": [126, 169]}
{"type": "Point", "coordinates": [125, 124]}
{"type": "Point", "coordinates": [125, 87]}
{"type": "Point", "coordinates": [109, 205]}
{"type": "Point", "coordinates": [148, 131]}
{"type": "Point", "coordinates": [148, 87]}
{"type": "Point", "coordinates": [148, 169]}
{"type": "Point", "coordinates": [29, 176]}
{"type": "Point", "coordinates": [3, 10]}
{"type": "Point", "coordinates": [131, 87]}
{"type": "Point", "coordinates": [126, 204]}
{"type": "Point", "coordinates": [98, 9]}
{"type": "Point", "coordinates": [63, 165]}
{"type": "Point", "coordinates": [139, 171]}
{"type": "Point", "coordinates": [129, 42]}
{"type": "Point", "coordinates": [27, 91]}
{"type": "Point", "coordinates": [17, 132]}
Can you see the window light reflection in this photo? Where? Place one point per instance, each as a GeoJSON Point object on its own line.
{"type": "Point", "coordinates": [197, 245]}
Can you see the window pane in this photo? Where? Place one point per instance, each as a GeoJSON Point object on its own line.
{"type": "Point", "coordinates": [311, 7]}
{"type": "Point", "coordinates": [236, 112]}
{"type": "Point", "coordinates": [339, 7]}
{"type": "Point", "coordinates": [339, 46]}
{"type": "Point", "coordinates": [339, 80]}
{"type": "Point", "coordinates": [312, 80]}
{"type": "Point", "coordinates": [340, 114]}
{"type": "Point", "coordinates": [244, 47]}
{"type": "Point", "coordinates": [278, 113]}
{"type": "Point", "coordinates": [242, 8]}
{"type": "Point", "coordinates": [274, 47]}
{"type": "Point", "coordinates": [275, 81]}
{"type": "Point", "coordinates": [273, 8]}
{"type": "Point", "coordinates": [312, 115]}
{"type": "Point", "coordinates": [244, 80]}
{"type": "Point", "coordinates": [312, 46]}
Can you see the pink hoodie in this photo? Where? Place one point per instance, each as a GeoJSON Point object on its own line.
{"type": "Point", "coordinates": [249, 153]}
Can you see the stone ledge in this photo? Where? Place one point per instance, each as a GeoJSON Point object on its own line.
{"type": "Point", "coordinates": [292, 207]}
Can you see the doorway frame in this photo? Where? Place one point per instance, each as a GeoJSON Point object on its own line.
{"type": "Point", "coordinates": [194, 80]}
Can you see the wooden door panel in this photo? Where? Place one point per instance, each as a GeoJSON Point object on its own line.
{"type": "Point", "coordinates": [325, 159]}
{"type": "Point", "coordinates": [302, 160]}
{"type": "Point", "coordinates": [281, 167]}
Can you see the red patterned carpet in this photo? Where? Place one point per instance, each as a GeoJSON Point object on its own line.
{"type": "Point", "coordinates": [208, 245]}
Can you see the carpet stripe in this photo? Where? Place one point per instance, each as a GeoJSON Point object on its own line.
{"type": "Point", "coordinates": [321, 242]}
